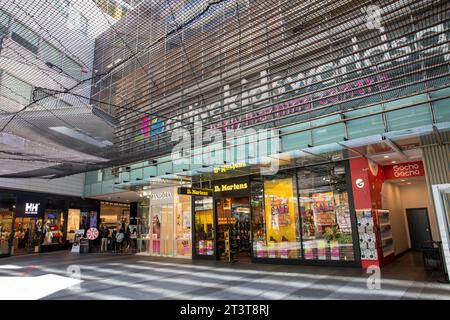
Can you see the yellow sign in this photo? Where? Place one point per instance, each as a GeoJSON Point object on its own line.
{"type": "Point", "coordinates": [230, 187]}
{"type": "Point", "coordinates": [195, 192]}
{"type": "Point", "coordinates": [228, 167]}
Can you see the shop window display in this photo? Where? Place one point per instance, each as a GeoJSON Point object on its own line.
{"type": "Point", "coordinates": [204, 226]}
{"type": "Point", "coordinates": [7, 207]}
{"type": "Point", "coordinates": [325, 214]}
{"type": "Point", "coordinates": [73, 223]}
{"type": "Point", "coordinates": [53, 228]}
{"type": "Point", "coordinates": [143, 227]}
{"type": "Point", "coordinates": [6, 216]}
{"type": "Point", "coordinates": [27, 235]}
{"type": "Point", "coordinates": [162, 224]}
{"type": "Point", "coordinates": [183, 226]}
{"type": "Point", "coordinates": [276, 232]}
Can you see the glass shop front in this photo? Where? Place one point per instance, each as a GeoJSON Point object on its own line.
{"type": "Point", "coordinates": [301, 216]}
{"type": "Point", "coordinates": [164, 223]}
{"type": "Point", "coordinates": [33, 222]}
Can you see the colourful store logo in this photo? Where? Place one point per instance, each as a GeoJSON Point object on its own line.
{"type": "Point", "coordinates": [150, 127]}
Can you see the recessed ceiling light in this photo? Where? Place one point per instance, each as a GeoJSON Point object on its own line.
{"type": "Point", "coordinates": [403, 180]}
{"type": "Point", "coordinates": [386, 157]}
{"type": "Point", "coordinates": [394, 162]}
{"type": "Point", "coordinates": [409, 183]}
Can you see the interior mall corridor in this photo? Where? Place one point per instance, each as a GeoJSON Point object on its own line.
{"type": "Point", "coordinates": [107, 276]}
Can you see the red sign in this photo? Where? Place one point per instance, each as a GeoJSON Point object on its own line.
{"type": "Point", "coordinates": [404, 170]}
{"type": "Point", "coordinates": [92, 234]}
{"type": "Point", "coordinates": [359, 171]}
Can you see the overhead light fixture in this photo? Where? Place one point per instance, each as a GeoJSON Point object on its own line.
{"type": "Point", "coordinates": [403, 180]}
{"type": "Point", "coordinates": [393, 162]}
{"type": "Point", "coordinates": [409, 183]}
{"type": "Point", "coordinates": [386, 157]}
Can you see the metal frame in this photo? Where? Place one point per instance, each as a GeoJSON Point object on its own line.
{"type": "Point", "coordinates": [299, 261]}
{"type": "Point", "coordinates": [442, 214]}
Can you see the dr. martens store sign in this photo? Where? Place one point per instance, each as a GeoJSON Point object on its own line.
{"type": "Point", "coordinates": [231, 187]}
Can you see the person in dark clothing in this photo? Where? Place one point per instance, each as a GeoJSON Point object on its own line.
{"type": "Point", "coordinates": [104, 234]}
{"type": "Point", "coordinates": [26, 238]}
{"type": "Point", "coordinates": [114, 240]}
{"type": "Point", "coordinates": [120, 238]}
{"type": "Point", "coordinates": [134, 239]}
{"type": "Point", "coordinates": [127, 241]}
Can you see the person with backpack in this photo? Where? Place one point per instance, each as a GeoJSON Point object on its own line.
{"type": "Point", "coordinates": [120, 237]}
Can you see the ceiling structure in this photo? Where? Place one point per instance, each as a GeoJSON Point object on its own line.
{"type": "Point", "coordinates": [39, 139]}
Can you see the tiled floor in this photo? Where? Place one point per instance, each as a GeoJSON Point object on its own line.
{"type": "Point", "coordinates": [107, 276]}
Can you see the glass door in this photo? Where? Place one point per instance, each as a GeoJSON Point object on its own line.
{"type": "Point", "coordinates": [7, 206]}
{"type": "Point", "coordinates": [204, 226]}
{"type": "Point", "coordinates": [441, 198]}
{"type": "Point", "coordinates": [167, 231]}
{"type": "Point", "coordinates": [27, 235]}
{"type": "Point", "coordinates": [162, 230]}
{"type": "Point", "coordinates": [155, 226]}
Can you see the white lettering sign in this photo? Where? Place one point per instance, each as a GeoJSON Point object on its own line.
{"type": "Point", "coordinates": [31, 208]}
{"type": "Point", "coordinates": [161, 195]}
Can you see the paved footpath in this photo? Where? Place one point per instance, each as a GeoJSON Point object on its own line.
{"type": "Point", "coordinates": [108, 276]}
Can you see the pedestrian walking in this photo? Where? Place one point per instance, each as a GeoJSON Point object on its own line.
{"type": "Point", "coordinates": [104, 234]}
{"type": "Point", "coordinates": [114, 240]}
{"type": "Point", "coordinates": [120, 239]}
{"type": "Point", "coordinates": [133, 237]}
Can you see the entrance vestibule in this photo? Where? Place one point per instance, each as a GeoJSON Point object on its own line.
{"type": "Point", "coordinates": [233, 228]}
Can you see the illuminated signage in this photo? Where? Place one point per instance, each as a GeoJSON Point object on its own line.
{"type": "Point", "coordinates": [230, 187]}
{"type": "Point", "coordinates": [161, 195]}
{"type": "Point", "coordinates": [150, 127]}
{"type": "Point", "coordinates": [32, 208]}
{"type": "Point", "coordinates": [195, 192]}
{"type": "Point", "coordinates": [229, 167]}
{"type": "Point", "coordinates": [359, 183]}
{"type": "Point", "coordinates": [404, 170]}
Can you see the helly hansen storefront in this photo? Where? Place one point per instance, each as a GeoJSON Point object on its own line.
{"type": "Point", "coordinates": [35, 222]}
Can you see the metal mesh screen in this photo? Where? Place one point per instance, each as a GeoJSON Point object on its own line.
{"type": "Point", "coordinates": [227, 64]}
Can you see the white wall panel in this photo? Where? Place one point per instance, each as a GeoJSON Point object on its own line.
{"type": "Point", "coordinates": [71, 185]}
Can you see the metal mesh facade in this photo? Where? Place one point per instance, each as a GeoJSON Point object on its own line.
{"type": "Point", "coordinates": [261, 64]}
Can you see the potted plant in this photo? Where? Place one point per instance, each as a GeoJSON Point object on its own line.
{"type": "Point", "coordinates": [332, 235]}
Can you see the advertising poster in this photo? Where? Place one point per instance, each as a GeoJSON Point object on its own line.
{"type": "Point", "coordinates": [321, 249]}
{"type": "Point", "coordinates": [308, 248]}
{"type": "Point", "coordinates": [76, 243]}
{"type": "Point", "coordinates": [334, 248]}
{"type": "Point", "coordinates": [84, 220]}
{"type": "Point", "coordinates": [201, 247]}
{"type": "Point", "coordinates": [187, 219]}
{"type": "Point", "coordinates": [93, 219]}
{"type": "Point", "coordinates": [280, 210]}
